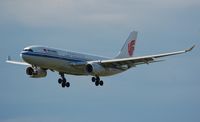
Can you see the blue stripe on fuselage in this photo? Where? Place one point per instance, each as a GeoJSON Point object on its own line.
{"type": "Point", "coordinates": [50, 56]}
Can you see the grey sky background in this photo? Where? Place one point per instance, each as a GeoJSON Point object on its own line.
{"type": "Point", "coordinates": [166, 91]}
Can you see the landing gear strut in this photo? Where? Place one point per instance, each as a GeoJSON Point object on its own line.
{"type": "Point", "coordinates": [97, 81]}
{"type": "Point", "coordinates": [63, 81]}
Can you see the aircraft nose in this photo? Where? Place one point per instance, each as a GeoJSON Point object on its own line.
{"type": "Point", "coordinates": [23, 55]}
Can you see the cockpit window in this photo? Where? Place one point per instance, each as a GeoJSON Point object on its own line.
{"type": "Point", "coordinates": [29, 50]}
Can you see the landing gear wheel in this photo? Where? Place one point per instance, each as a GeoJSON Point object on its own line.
{"type": "Point", "coordinates": [67, 84]}
{"type": "Point", "coordinates": [93, 79]}
{"type": "Point", "coordinates": [101, 83]}
{"type": "Point", "coordinates": [97, 83]}
{"type": "Point", "coordinates": [60, 81]}
{"type": "Point", "coordinates": [63, 85]}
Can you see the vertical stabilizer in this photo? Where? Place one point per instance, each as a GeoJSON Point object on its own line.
{"type": "Point", "coordinates": [129, 46]}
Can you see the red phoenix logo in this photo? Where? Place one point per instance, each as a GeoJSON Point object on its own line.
{"type": "Point", "coordinates": [131, 47]}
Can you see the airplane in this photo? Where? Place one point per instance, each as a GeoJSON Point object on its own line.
{"type": "Point", "coordinates": [39, 59]}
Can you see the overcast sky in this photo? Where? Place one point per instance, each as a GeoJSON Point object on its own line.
{"type": "Point", "coordinates": [166, 91]}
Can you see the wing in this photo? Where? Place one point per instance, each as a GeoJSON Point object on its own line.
{"type": "Point", "coordinates": [133, 61]}
{"type": "Point", "coordinates": [16, 62]}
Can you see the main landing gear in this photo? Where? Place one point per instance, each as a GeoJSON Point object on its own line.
{"type": "Point", "coordinates": [63, 81]}
{"type": "Point", "coordinates": [97, 81]}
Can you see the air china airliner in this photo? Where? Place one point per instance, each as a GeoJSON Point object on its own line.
{"type": "Point", "coordinates": [39, 59]}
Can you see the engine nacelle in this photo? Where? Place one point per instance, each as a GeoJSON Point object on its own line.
{"type": "Point", "coordinates": [94, 68]}
{"type": "Point", "coordinates": [36, 73]}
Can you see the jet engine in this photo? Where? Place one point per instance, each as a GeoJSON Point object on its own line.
{"type": "Point", "coordinates": [94, 68]}
{"type": "Point", "coordinates": [36, 72]}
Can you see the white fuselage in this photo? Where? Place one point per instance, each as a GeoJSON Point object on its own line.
{"type": "Point", "coordinates": [62, 61]}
